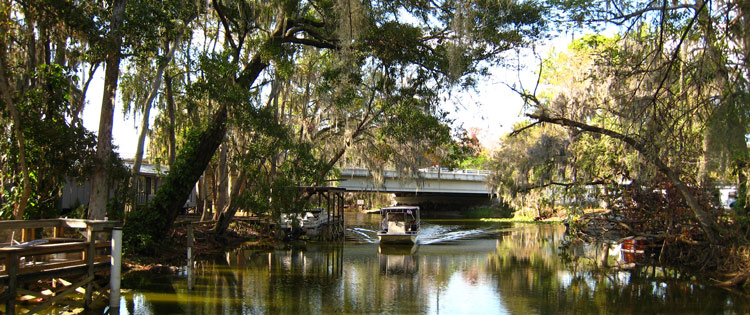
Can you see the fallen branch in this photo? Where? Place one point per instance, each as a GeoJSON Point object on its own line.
{"type": "Point", "coordinates": [734, 282]}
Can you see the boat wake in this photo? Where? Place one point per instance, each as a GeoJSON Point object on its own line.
{"type": "Point", "coordinates": [361, 235]}
{"type": "Point", "coordinates": [430, 234]}
{"type": "Point", "coordinates": [448, 234]}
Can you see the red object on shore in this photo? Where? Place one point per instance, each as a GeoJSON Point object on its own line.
{"type": "Point", "coordinates": [634, 249]}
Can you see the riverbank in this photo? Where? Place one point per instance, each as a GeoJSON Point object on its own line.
{"type": "Point", "coordinates": [174, 254]}
{"type": "Point", "coordinates": [724, 264]}
{"type": "Point", "coordinates": [553, 220]}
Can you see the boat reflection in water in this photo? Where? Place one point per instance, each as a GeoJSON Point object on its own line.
{"type": "Point", "coordinates": [398, 259]}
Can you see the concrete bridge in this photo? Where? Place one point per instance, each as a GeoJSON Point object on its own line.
{"type": "Point", "coordinates": [430, 188]}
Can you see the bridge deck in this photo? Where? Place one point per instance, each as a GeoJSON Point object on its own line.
{"type": "Point", "coordinates": [426, 181]}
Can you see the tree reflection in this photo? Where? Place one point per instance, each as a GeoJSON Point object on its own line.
{"type": "Point", "coordinates": [579, 278]}
{"type": "Point", "coordinates": [495, 268]}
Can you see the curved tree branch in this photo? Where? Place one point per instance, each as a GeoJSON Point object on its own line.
{"type": "Point", "coordinates": [703, 217]}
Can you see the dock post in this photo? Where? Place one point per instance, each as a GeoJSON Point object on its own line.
{"type": "Point", "coordinates": [115, 268]}
{"type": "Point", "coordinates": [190, 240]}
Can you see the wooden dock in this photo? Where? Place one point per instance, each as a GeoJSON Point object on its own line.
{"type": "Point", "coordinates": [56, 258]}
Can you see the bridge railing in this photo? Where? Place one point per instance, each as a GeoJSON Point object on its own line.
{"type": "Point", "coordinates": [446, 170]}
{"type": "Point", "coordinates": [442, 170]}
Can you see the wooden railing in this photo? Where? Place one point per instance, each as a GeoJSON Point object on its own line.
{"type": "Point", "coordinates": [51, 249]}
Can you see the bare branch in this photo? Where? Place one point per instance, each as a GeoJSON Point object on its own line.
{"type": "Point", "coordinates": [676, 52]}
{"type": "Point", "coordinates": [310, 42]}
{"type": "Point", "coordinates": [518, 131]}
{"type": "Point", "coordinates": [703, 217]}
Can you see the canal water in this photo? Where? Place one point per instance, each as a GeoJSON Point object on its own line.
{"type": "Point", "coordinates": [458, 267]}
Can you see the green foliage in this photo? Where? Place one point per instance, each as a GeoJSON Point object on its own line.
{"type": "Point", "coordinates": [144, 227]}
{"type": "Point", "coordinates": [56, 147]}
{"type": "Point", "coordinates": [499, 211]}
{"type": "Point", "coordinates": [336, 81]}
{"type": "Point", "coordinates": [479, 161]}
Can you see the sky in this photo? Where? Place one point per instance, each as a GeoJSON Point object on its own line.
{"type": "Point", "coordinates": [492, 107]}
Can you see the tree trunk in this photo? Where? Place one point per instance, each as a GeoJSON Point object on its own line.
{"type": "Point", "coordinates": [227, 213]}
{"type": "Point", "coordinates": [171, 115]}
{"type": "Point", "coordinates": [155, 84]}
{"type": "Point", "coordinates": [60, 47]}
{"type": "Point", "coordinates": [203, 197]}
{"type": "Point", "coordinates": [742, 190]}
{"type": "Point", "coordinates": [198, 198]}
{"type": "Point", "coordinates": [146, 227]}
{"type": "Point", "coordinates": [704, 163]}
{"type": "Point", "coordinates": [100, 179]}
{"type": "Point", "coordinates": [221, 185]}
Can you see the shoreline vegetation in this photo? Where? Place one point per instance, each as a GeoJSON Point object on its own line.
{"type": "Point", "coordinates": [174, 254]}
{"type": "Point", "coordinates": [588, 227]}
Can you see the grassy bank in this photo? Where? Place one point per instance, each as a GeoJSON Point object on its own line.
{"type": "Point", "coordinates": [498, 212]}
{"type": "Point", "coordinates": [524, 220]}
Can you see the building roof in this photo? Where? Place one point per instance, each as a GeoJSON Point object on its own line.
{"type": "Point", "coordinates": [149, 169]}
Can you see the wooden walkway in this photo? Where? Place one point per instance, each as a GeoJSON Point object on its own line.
{"type": "Point", "coordinates": [56, 258]}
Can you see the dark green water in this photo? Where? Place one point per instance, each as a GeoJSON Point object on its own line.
{"type": "Point", "coordinates": [458, 268]}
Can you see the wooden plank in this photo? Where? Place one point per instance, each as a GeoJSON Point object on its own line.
{"type": "Point", "coordinates": [98, 225]}
{"type": "Point", "coordinates": [55, 240]}
{"type": "Point", "coordinates": [102, 259]}
{"type": "Point", "coordinates": [64, 272]}
{"type": "Point", "coordinates": [38, 268]}
{"type": "Point", "coordinates": [58, 297]}
{"type": "Point", "coordinates": [103, 225]}
{"type": "Point", "coordinates": [102, 291]}
{"type": "Point", "coordinates": [74, 223]}
{"type": "Point", "coordinates": [44, 249]}
{"type": "Point", "coordinates": [22, 291]}
{"type": "Point", "coordinates": [28, 224]}
{"type": "Point", "coordinates": [26, 235]}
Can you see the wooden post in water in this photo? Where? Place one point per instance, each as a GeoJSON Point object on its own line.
{"type": "Point", "coordinates": [190, 256]}
{"type": "Point", "coordinates": [190, 242]}
{"type": "Point", "coordinates": [115, 268]}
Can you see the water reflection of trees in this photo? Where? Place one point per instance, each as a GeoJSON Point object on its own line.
{"type": "Point", "coordinates": [545, 278]}
{"type": "Point", "coordinates": [522, 267]}
{"type": "Point", "coordinates": [246, 281]}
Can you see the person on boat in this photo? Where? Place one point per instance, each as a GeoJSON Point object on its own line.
{"type": "Point", "coordinates": [384, 224]}
{"type": "Point", "coordinates": [413, 225]}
